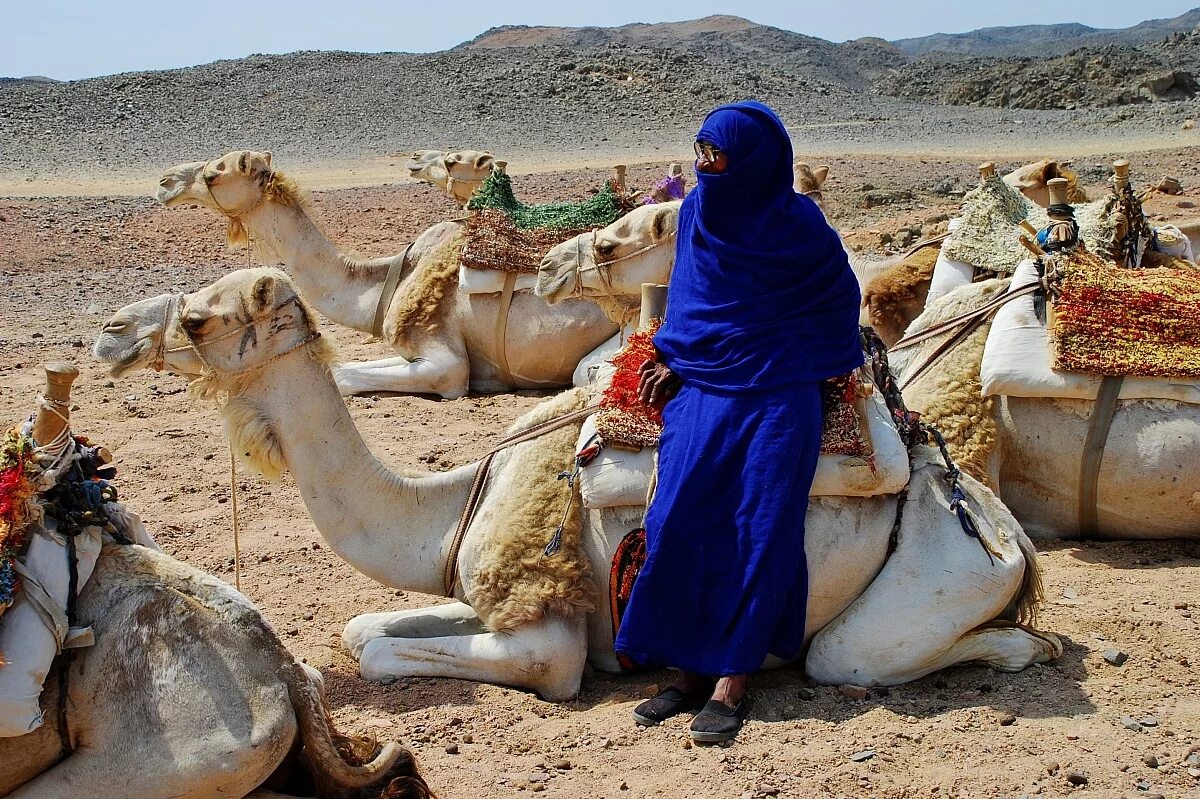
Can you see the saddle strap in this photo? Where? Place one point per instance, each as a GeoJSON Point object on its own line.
{"type": "Point", "coordinates": [961, 335]}
{"type": "Point", "coordinates": [987, 308]}
{"type": "Point", "coordinates": [450, 574]}
{"type": "Point", "coordinates": [923, 243]}
{"type": "Point", "coordinates": [501, 330]}
{"type": "Point", "coordinates": [1093, 452]}
{"type": "Point", "coordinates": [390, 284]}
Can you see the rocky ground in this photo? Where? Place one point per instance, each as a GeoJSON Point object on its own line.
{"type": "Point", "coordinates": [1078, 726]}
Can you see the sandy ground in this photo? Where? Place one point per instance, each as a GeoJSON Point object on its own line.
{"type": "Point", "coordinates": [68, 262]}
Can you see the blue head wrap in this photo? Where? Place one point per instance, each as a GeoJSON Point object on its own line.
{"type": "Point", "coordinates": [762, 294]}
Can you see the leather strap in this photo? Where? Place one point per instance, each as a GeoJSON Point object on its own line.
{"type": "Point", "coordinates": [450, 574]}
{"type": "Point", "coordinates": [390, 284]}
{"type": "Point", "coordinates": [970, 327]}
{"type": "Point", "coordinates": [982, 311]}
{"type": "Point", "coordinates": [1093, 452]}
{"type": "Point", "coordinates": [501, 330]}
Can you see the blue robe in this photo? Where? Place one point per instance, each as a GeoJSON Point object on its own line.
{"type": "Point", "coordinates": [762, 306]}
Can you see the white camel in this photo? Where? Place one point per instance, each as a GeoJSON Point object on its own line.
{"type": "Point", "coordinates": [458, 174]}
{"type": "Point", "coordinates": [873, 617]}
{"type": "Point", "coordinates": [449, 341]}
{"type": "Point", "coordinates": [1030, 449]}
{"type": "Point", "coordinates": [187, 692]}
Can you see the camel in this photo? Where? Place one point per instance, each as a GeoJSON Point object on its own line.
{"type": "Point", "coordinates": [939, 599]}
{"type": "Point", "coordinates": [449, 341]}
{"type": "Point", "coordinates": [808, 181]}
{"type": "Point", "coordinates": [1030, 449]}
{"type": "Point", "coordinates": [895, 290]}
{"type": "Point", "coordinates": [458, 173]}
{"type": "Point", "coordinates": [187, 692]}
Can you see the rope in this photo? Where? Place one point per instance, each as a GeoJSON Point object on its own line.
{"type": "Point", "coordinates": [233, 496]}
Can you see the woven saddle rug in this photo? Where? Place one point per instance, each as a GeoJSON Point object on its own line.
{"type": "Point", "coordinates": [504, 234]}
{"type": "Point", "coordinates": [17, 489]}
{"type": "Point", "coordinates": [1125, 322]}
{"type": "Point", "coordinates": [623, 419]}
{"type": "Point", "coordinates": [987, 237]}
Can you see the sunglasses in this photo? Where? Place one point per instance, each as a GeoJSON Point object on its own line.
{"type": "Point", "coordinates": [707, 151]}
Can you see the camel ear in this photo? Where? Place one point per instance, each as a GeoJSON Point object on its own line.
{"type": "Point", "coordinates": [243, 165]}
{"type": "Point", "coordinates": [821, 173]}
{"type": "Point", "coordinates": [659, 226]}
{"type": "Point", "coordinates": [266, 157]}
{"type": "Point", "coordinates": [1050, 171]}
{"type": "Point", "coordinates": [483, 161]}
{"type": "Point", "coordinates": [263, 293]}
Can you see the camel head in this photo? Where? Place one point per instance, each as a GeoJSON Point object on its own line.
{"type": "Point", "coordinates": [233, 185]}
{"type": "Point", "coordinates": [808, 181]}
{"type": "Point", "coordinates": [230, 328]}
{"type": "Point", "coordinates": [1031, 181]}
{"type": "Point", "coordinates": [146, 335]}
{"type": "Point", "coordinates": [615, 261]}
{"type": "Point", "coordinates": [458, 173]}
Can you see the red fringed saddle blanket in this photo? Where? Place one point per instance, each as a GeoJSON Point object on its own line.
{"type": "Point", "coordinates": [624, 420]}
{"type": "Point", "coordinates": [16, 489]}
{"type": "Point", "coordinates": [495, 242]}
{"type": "Point", "coordinates": [627, 563]}
{"type": "Point", "coordinates": [1126, 322]}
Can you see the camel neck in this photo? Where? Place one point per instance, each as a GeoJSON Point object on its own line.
{"type": "Point", "coordinates": [345, 289]}
{"type": "Point", "coordinates": [395, 529]}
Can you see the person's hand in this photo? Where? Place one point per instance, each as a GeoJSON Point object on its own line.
{"type": "Point", "coordinates": [657, 384]}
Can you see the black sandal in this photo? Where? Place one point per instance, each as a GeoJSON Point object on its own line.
{"type": "Point", "coordinates": [718, 722]}
{"type": "Point", "coordinates": [667, 703]}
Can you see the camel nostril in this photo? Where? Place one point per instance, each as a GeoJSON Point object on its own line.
{"type": "Point", "coordinates": [116, 326]}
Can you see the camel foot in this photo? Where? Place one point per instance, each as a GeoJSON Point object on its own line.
{"type": "Point", "coordinates": [1007, 647]}
{"type": "Point", "coordinates": [440, 621]}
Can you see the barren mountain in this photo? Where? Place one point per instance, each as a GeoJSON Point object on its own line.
{"type": "Point", "coordinates": [1047, 40]}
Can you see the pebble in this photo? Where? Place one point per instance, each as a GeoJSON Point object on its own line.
{"type": "Point", "coordinates": [538, 776]}
{"type": "Point", "coordinates": [468, 738]}
{"type": "Point", "coordinates": [853, 691]}
{"type": "Point", "coordinates": [863, 756]}
{"type": "Point", "coordinates": [1151, 761]}
{"type": "Point", "coordinates": [1052, 767]}
{"type": "Point", "coordinates": [1130, 723]}
{"type": "Point", "coordinates": [1115, 656]}
{"type": "Point", "coordinates": [1008, 721]}
{"type": "Point", "coordinates": [452, 749]}
{"type": "Point", "coordinates": [562, 764]}
{"type": "Point", "coordinates": [1077, 778]}
{"type": "Point", "coordinates": [805, 693]}
{"type": "Point", "coordinates": [1148, 721]}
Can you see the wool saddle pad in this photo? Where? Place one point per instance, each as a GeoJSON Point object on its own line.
{"type": "Point", "coordinates": [624, 419]}
{"type": "Point", "coordinates": [1126, 322]}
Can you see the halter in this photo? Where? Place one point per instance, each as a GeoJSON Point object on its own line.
{"type": "Point", "coordinates": [196, 346]}
{"type": "Point", "coordinates": [208, 180]}
{"type": "Point", "coordinates": [451, 180]}
{"type": "Point", "coordinates": [627, 311]}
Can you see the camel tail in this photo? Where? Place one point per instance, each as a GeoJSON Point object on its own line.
{"type": "Point", "coordinates": [1030, 595]}
{"type": "Point", "coordinates": [345, 767]}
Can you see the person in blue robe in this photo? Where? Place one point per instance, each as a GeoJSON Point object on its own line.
{"type": "Point", "coordinates": [762, 307]}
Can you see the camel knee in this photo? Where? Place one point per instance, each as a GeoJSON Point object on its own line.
{"type": "Point", "coordinates": [1013, 647]}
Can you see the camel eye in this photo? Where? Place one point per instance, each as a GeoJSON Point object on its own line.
{"type": "Point", "coordinates": [193, 323]}
{"type": "Point", "coordinates": [605, 249]}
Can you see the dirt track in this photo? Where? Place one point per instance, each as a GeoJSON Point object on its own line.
{"type": "Point", "coordinates": [68, 263]}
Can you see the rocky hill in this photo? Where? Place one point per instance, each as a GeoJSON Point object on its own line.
{"type": "Point", "coordinates": [555, 91]}
{"type": "Point", "coordinates": [1046, 40]}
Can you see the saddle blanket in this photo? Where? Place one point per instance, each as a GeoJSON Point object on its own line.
{"type": "Point", "coordinates": [1018, 359]}
{"type": "Point", "coordinates": [617, 477]}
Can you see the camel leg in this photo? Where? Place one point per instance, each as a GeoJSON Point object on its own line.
{"type": "Point", "coordinates": [439, 621]}
{"type": "Point", "coordinates": [936, 599]}
{"type": "Point", "coordinates": [546, 657]}
{"type": "Point", "coordinates": [438, 372]}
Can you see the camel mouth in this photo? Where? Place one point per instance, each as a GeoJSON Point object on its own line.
{"type": "Point", "coordinates": [553, 284]}
{"type": "Point", "coordinates": [175, 183]}
{"type": "Point", "coordinates": [121, 360]}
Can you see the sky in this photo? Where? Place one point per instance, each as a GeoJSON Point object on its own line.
{"type": "Point", "coordinates": [85, 38]}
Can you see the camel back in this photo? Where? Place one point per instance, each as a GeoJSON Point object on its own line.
{"type": "Point", "coordinates": [986, 237]}
{"type": "Point", "coordinates": [507, 235]}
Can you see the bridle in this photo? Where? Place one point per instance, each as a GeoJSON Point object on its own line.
{"type": "Point", "coordinates": [450, 179]}
{"type": "Point", "coordinates": [628, 307]}
{"type": "Point", "coordinates": [208, 183]}
{"type": "Point", "coordinates": [174, 309]}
